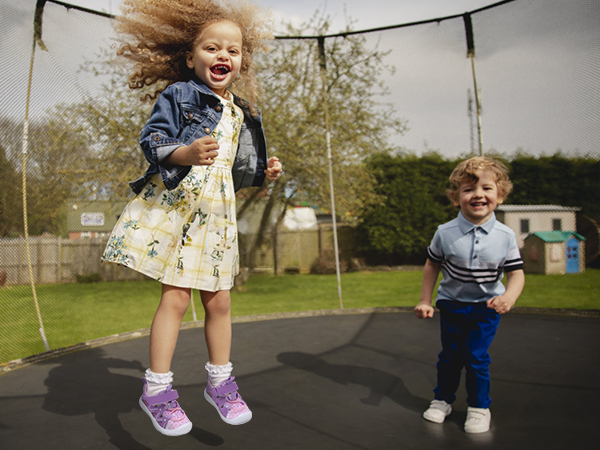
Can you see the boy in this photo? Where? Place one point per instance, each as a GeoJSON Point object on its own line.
{"type": "Point", "coordinates": [472, 251]}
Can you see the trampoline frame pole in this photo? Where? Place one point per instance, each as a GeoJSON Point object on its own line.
{"type": "Point", "coordinates": [323, 70]}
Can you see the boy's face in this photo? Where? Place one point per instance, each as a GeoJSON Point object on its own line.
{"type": "Point", "coordinates": [217, 58]}
{"type": "Point", "coordinates": [477, 201]}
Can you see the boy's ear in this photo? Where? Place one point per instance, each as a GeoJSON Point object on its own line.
{"type": "Point", "coordinates": [189, 60]}
{"type": "Point", "coordinates": [500, 200]}
{"type": "Point", "coordinates": [454, 199]}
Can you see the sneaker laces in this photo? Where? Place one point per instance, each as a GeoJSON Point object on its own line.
{"type": "Point", "coordinates": [174, 413]}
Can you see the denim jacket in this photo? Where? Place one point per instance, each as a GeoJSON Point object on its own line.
{"type": "Point", "coordinates": [186, 111]}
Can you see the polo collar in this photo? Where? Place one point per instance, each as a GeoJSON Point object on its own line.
{"type": "Point", "coordinates": [465, 226]}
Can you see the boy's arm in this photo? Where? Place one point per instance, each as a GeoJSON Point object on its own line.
{"type": "Point", "coordinates": [431, 272]}
{"type": "Point", "coordinates": [515, 280]}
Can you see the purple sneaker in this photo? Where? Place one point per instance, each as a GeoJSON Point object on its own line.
{"type": "Point", "coordinates": [225, 398]}
{"type": "Point", "coordinates": [165, 413]}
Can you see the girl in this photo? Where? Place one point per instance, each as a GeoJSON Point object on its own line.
{"type": "Point", "coordinates": [202, 144]}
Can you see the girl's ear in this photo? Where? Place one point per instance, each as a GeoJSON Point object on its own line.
{"type": "Point", "coordinates": [189, 60]}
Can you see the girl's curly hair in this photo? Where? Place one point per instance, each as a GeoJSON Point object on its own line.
{"type": "Point", "coordinates": [466, 172]}
{"type": "Point", "coordinates": [158, 35]}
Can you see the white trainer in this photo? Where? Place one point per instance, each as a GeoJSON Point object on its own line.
{"type": "Point", "coordinates": [438, 411]}
{"type": "Point", "coordinates": [478, 420]}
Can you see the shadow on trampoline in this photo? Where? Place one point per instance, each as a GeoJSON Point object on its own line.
{"type": "Point", "coordinates": [380, 384]}
{"type": "Point", "coordinates": [86, 385]}
{"type": "Point", "coordinates": [352, 381]}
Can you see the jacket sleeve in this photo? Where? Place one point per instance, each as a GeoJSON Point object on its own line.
{"type": "Point", "coordinates": [159, 136]}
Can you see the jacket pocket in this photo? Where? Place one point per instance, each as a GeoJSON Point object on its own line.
{"type": "Point", "coordinates": [191, 120]}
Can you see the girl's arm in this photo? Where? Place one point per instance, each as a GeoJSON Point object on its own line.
{"type": "Point", "coordinates": [431, 272]}
{"type": "Point", "coordinates": [158, 137]}
{"type": "Point", "coordinates": [515, 281]}
{"type": "Point", "coordinates": [201, 152]}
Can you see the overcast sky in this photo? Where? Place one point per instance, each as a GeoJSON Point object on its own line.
{"type": "Point", "coordinates": [364, 14]}
{"type": "Point", "coordinates": [537, 66]}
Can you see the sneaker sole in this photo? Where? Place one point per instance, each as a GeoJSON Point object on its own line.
{"type": "Point", "coordinates": [477, 430]}
{"type": "Point", "coordinates": [239, 420]}
{"type": "Point", "coordinates": [184, 429]}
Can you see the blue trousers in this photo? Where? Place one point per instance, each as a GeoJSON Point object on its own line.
{"type": "Point", "coordinates": [467, 331]}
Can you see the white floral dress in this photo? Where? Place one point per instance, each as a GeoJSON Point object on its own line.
{"type": "Point", "coordinates": [186, 237]}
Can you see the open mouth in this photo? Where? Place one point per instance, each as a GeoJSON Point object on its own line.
{"type": "Point", "coordinates": [220, 71]}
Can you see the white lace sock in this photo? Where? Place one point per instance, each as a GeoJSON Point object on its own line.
{"type": "Point", "coordinates": [218, 374]}
{"type": "Point", "coordinates": [157, 382]}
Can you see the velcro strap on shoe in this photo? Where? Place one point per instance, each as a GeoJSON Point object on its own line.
{"type": "Point", "coordinates": [226, 389]}
{"type": "Point", "coordinates": [165, 397]}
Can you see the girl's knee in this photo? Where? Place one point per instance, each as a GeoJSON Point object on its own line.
{"type": "Point", "coordinates": [177, 299]}
{"type": "Point", "coordinates": [217, 303]}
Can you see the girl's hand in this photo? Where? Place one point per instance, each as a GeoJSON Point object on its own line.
{"type": "Point", "coordinates": [274, 168]}
{"type": "Point", "coordinates": [201, 152]}
{"type": "Point", "coordinates": [424, 310]}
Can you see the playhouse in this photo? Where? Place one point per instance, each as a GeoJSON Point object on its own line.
{"type": "Point", "coordinates": [554, 252]}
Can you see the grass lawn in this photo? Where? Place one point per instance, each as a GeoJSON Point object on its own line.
{"type": "Point", "coordinates": [74, 313]}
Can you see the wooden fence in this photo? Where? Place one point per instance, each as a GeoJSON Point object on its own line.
{"type": "Point", "coordinates": [58, 260]}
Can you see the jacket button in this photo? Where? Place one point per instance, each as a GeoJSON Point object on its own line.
{"type": "Point", "coordinates": [157, 138]}
{"type": "Point", "coordinates": [190, 116]}
{"type": "Point", "coordinates": [207, 130]}
{"type": "Point", "coordinates": [218, 108]}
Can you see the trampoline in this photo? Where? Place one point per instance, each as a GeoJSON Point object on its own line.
{"type": "Point", "coordinates": [341, 381]}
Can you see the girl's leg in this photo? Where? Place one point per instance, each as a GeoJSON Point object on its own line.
{"type": "Point", "coordinates": [158, 399]}
{"type": "Point", "coordinates": [221, 389]}
{"type": "Point", "coordinates": [165, 326]}
{"type": "Point", "coordinates": [217, 326]}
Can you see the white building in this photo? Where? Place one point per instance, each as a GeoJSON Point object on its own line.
{"type": "Point", "coordinates": [526, 219]}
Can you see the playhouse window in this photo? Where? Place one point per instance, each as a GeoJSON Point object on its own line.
{"type": "Point", "coordinates": [556, 224]}
{"type": "Point", "coordinates": [524, 225]}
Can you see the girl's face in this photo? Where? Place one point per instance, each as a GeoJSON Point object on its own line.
{"type": "Point", "coordinates": [217, 58]}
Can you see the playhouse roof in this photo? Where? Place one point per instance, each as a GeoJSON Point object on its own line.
{"type": "Point", "coordinates": [555, 236]}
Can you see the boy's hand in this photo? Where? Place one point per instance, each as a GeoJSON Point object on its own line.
{"type": "Point", "coordinates": [424, 310]}
{"type": "Point", "coordinates": [274, 168]}
{"type": "Point", "coordinates": [501, 304]}
{"type": "Point", "coordinates": [201, 152]}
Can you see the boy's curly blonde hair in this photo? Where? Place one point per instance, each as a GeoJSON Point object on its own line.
{"type": "Point", "coordinates": [466, 172]}
{"type": "Point", "coordinates": [158, 35]}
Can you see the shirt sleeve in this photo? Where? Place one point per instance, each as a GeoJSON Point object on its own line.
{"type": "Point", "coordinates": [434, 251]}
{"type": "Point", "coordinates": [513, 259]}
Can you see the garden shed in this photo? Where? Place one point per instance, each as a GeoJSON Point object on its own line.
{"type": "Point", "coordinates": [554, 252]}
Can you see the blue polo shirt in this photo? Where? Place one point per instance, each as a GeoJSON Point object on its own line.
{"type": "Point", "coordinates": [473, 258]}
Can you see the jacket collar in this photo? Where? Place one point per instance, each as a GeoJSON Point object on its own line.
{"type": "Point", "coordinates": [203, 88]}
{"type": "Point", "coordinates": [465, 226]}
